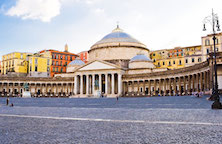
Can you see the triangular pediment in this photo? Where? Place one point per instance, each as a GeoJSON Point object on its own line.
{"type": "Point", "coordinates": [98, 65]}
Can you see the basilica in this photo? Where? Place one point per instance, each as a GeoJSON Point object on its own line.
{"type": "Point", "coordinates": [119, 65]}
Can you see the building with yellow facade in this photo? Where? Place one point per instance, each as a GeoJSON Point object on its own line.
{"type": "Point", "coordinates": [176, 58]}
{"type": "Point", "coordinates": [15, 64]}
{"type": "Point", "coordinates": [39, 64]}
{"type": "Point", "coordinates": [207, 45]}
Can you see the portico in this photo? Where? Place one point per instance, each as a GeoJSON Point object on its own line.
{"type": "Point", "coordinates": [98, 78]}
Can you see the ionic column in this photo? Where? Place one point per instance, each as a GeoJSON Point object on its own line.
{"type": "Point", "coordinates": [164, 84]}
{"type": "Point", "coordinates": [154, 86]}
{"type": "Point", "coordinates": [127, 83]}
{"type": "Point", "coordinates": [170, 88]}
{"type": "Point", "coordinates": [133, 87]}
{"type": "Point", "coordinates": [184, 85]}
{"type": "Point", "coordinates": [138, 87]}
{"type": "Point", "coordinates": [198, 81]}
{"type": "Point", "coordinates": [193, 86]}
{"type": "Point", "coordinates": [144, 92]}
{"type": "Point", "coordinates": [93, 83]}
{"type": "Point", "coordinates": [75, 85]}
{"type": "Point", "coordinates": [106, 83]}
{"type": "Point", "coordinates": [160, 87]}
{"type": "Point", "coordinates": [201, 81]}
{"type": "Point", "coordinates": [119, 84]}
{"type": "Point", "coordinates": [189, 84]}
{"type": "Point", "coordinates": [87, 84]}
{"type": "Point", "coordinates": [100, 83]}
{"type": "Point", "coordinates": [149, 87]}
{"type": "Point", "coordinates": [113, 84]}
{"type": "Point", "coordinates": [180, 86]}
{"type": "Point", "coordinates": [81, 84]}
{"type": "Point", "coordinates": [174, 86]}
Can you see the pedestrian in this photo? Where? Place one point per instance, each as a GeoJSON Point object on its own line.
{"type": "Point", "coordinates": [7, 101]}
{"type": "Point", "coordinates": [117, 98]}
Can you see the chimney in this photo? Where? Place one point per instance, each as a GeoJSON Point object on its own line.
{"type": "Point", "coordinates": [66, 48]}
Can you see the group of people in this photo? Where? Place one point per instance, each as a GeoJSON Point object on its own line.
{"type": "Point", "coordinates": [198, 94]}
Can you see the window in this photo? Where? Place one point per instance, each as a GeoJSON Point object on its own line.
{"type": "Point", "coordinates": [57, 56]}
{"type": "Point", "coordinates": [57, 69]}
{"type": "Point", "coordinates": [53, 62]}
{"type": "Point", "coordinates": [186, 60]}
{"type": "Point", "coordinates": [207, 51]}
{"type": "Point", "coordinates": [216, 41]}
{"type": "Point", "coordinates": [193, 60]}
{"type": "Point", "coordinates": [158, 63]}
{"type": "Point", "coordinates": [173, 62]}
{"type": "Point", "coordinates": [207, 42]}
{"type": "Point", "coordinates": [180, 63]}
{"type": "Point", "coordinates": [154, 54]}
{"type": "Point", "coordinates": [60, 63]}
{"type": "Point", "coordinates": [36, 61]}
{"type": "Point", "coordinates": [53, 70]}
{"type": "Point", "coordinates": [169, 63]}
{"type": "Point", "coordinates": [21, 56]}
{"type": "Point", "coordinates": [66, 57]}
{"type": "Point", "coordinates": [48, 62]}
{"type": "Point", "coordinates": [70, 58]}
{"type": "Point", "coordinates": [48, 69]}
{"type": "Point", "coordinates": [57, 63]}
{"type": "Point", "coordinates": [36, 68]}
{"type": "Point", "coordinates": [181, 54]}
{"type": "Point", "coordinates": [53, 56]}
{"type": "Point", "coordinates": [61, 56]}
{"type": "Point", "coordinates": [65, 63]}
{"type": "Point", "coordinates": [199, 59]}
{"type": "Point", "coordinates": [61, 69]}
{"type": "Point", "coordinates": [154, 60]}
{"type": "Point", "coordinates": [163, 63]}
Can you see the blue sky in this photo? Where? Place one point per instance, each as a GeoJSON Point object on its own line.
{"type": "Point", "coordinates": [34, 25]}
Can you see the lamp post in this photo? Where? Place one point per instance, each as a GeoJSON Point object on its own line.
{"type": "Point", "coordinates": [213, 19]}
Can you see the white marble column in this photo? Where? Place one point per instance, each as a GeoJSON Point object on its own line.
{"type": "Point", "coordinates": [100, 83]}
{"type": "Point", "coordinates": [93, 83]}
{"type": "Point", "coordinates": [113, 84]}
{"type": "Point", "coordinates": [106, 83]}
{"type": "Point", "coordinates": [87, 84]}
{"type": "Point", "coordinates": [81, 84]}
{"type": "Point", "coordinates": [119, 84]}
{"type": "Point", "coordinates": [75, 85]}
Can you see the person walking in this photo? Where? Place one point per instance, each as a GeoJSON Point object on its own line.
{"type": "Point", "coordinates": [117, 98]}
{"type": "Point", "coordinates": [7, 101]}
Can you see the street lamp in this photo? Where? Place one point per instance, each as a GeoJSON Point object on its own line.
{"type": "Point", "coordinates": [213, 20]}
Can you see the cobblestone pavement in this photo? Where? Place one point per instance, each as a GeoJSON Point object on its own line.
{"type": "Point", "coordinates": [153, 120]}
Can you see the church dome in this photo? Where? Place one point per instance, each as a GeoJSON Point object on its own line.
{"type": "Point", "coordinates": [140, 57]}
{"type": "Point", "coordinates": [141, 61]}
{"type": "Point", "coordinates": [118, 37]}
{"type": "Point", "coordinates": [74, 65]}
{"type": "Point", "coordinates": [76, 62]}
{"type": "Point", "coordinates": [117, 46]}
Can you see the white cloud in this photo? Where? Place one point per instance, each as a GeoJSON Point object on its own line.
{"type": "Point", "coordinates": [43, 10]}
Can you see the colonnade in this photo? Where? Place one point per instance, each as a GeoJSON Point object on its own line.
{"type": "Point", "coordinates": [178, 85]}
{"type": "Point", "coordinates": [103, 84]}
{"type": "Point", "coordinates": [37, 88]}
